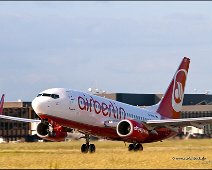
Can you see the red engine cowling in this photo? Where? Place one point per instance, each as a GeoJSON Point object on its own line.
{"type": "Point", "coordinates": [53, 133]}
{"type": "Point", "coordinates": [132, 131]}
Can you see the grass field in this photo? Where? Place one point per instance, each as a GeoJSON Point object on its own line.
{"type": "Point", "coordinates": [109, 154]}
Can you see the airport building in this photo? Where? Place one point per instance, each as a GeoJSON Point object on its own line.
{"type": "Point", "coordinates": [14, 130]}
{"type": "Point", "coordinates": [194, 105]}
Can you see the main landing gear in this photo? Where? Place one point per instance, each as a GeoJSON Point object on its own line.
{"type": "Point", "coordinates": [135, 147]}
{"type": "Point", "coordinates": [85, 148]}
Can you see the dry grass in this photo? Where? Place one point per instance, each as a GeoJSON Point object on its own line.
{"type": "Point", "coordinates": [108, 154]}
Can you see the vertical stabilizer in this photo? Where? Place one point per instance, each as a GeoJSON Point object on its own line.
{"type": "Point", "coordinates": [171, 103]}
{"type": "Point", "coordinates": [1, 104]}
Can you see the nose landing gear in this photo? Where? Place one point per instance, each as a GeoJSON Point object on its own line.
{"type": "Point", "coordinates": [87, 147]}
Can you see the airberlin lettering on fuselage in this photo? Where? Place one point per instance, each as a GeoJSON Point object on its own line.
{"type": "Point", "coordinates": [109, 109]}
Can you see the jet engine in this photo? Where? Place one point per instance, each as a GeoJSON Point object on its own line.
{"type": "Point", "coordinates": [132, 131]}
{"type": "Point", "coordinates": [53, 133]}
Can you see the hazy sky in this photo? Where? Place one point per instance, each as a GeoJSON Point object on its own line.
{"type": "Point", "coordinates": [130, 47]}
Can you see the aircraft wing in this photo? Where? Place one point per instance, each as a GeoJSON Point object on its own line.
{"type": "Point", "coordinates": [11, 117]}
{"type": "Point", "coordinates": [196, 122]}
{"type": "Point", "coordinates": [19, 119]}
{"type": "Point", "coordinates": [169, 123]}
{"type": "Point", "coordinates": [111, 123]}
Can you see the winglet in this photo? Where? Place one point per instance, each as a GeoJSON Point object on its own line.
{"type": "Point", "coordinates": [171, 103]}
{"type": "Point", "coordinates": [1, 104]}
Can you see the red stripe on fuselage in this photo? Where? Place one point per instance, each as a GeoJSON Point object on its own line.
{"type": "Point", "coordinates": [95, 130]}
{"type": "Point", "coordinates": [107, 132]}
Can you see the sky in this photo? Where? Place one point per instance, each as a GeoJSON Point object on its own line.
{"type": "Point", "coordinates": [118, 47]}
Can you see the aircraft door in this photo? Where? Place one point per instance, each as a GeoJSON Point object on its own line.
{"type": "Point", "coordinates": [71, 101]}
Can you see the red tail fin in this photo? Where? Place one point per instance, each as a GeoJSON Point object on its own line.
{"type": "Point", "coordinates": [1, 104]}
{"type": "Point", "coordinates": [171, 103]}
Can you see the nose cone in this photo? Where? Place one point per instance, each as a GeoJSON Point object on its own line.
{"type": "Point", "coordinates": [39, 105]}
{"type": "Point", "coordinates": [48, 101]}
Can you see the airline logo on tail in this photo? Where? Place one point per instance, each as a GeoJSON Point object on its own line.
{"type": "Point", "coordinates": [178, 89]}
{"type": "Point", "coordinates": [172, 101]}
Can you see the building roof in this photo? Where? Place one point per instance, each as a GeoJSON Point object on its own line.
{"type": "Point", "coordinates": [16, 104]}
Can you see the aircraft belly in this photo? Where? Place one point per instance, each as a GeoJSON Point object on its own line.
{"type": "Point", "coordinates": [86, 128]}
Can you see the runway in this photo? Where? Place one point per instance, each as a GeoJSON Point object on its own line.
{"type": "Point", "coordinates": [178, 154]}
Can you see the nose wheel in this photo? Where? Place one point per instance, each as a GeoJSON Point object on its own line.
{"type": "Point", "coordinates": [87, 147]}
{"type": "Point", "coordinates": [135, 147]}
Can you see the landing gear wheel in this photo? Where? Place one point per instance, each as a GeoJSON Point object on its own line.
{"type": "Point", "coordinates": [138, 147]}
{"type": "Point", "coordinates": [135, 147]}
{"type": "Point", "coordinates": [84, 148]}
{"type": "Point", "coordinates": [130, 147]}
{"type": "Point", "coordinates": [92, 148]}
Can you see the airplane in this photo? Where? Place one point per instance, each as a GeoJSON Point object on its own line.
{"type": "Point", "coordinates": [62, 109]}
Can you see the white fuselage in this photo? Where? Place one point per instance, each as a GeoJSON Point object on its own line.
{"type": "Point", "coordinates": [86, 108]}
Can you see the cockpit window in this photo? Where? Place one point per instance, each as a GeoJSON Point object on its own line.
{"type": "Point", "coordinates": [47, 95]}
{"type": "Point", "coordinates": [54, 96]}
